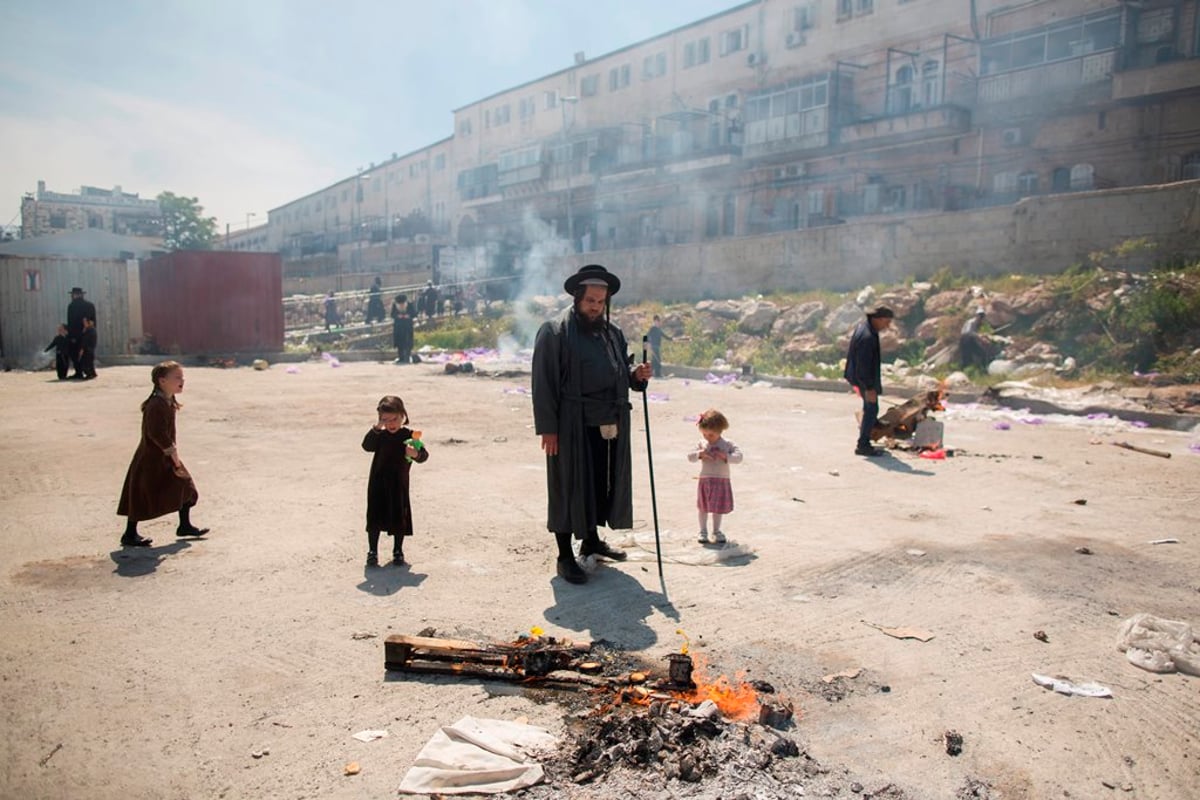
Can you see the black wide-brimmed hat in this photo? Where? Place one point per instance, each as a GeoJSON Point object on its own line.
{"type": "Point", "coordinates": [77, 290]}
{"type": "Point", "coordinates": [593, 275]}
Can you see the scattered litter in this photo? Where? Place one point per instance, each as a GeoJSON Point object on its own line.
{"type": "Point", "coordinates": [1163, 541]}
{"type": "Point", "coordinates": [1064, 686]}
{"type": "Point", "coordinates": [1159, 645]}
{"type": "Point", "coordinates": [260, 364]}
{"type": "Point", "coordinates": [260, 753]}
{"type": "Point", "coordinates": [658, 397]}
{"type": "Point", "coordinates": [332, 359]}
{"type": "Point", "coordinates": [954, 742]}
{"type": "Point", "coordinates": [915, 552]}
{"type": "Point", "coordinates": [516, 390]}
{"type": "Point", "coordinates": [483, 756]}
{"type": "Point", "coordinates": [902, 633]}
{"type": "Point", "coordinates": [1147, 450]}
{"type": "Point", "coordinates": [1138, 423]}
{"type": "Point", "coordinates": [1083, 550]}
{"type": "Point", "coordinates": [798, 499]}
{"type": "Point", "coordinates": [351, 769]}
{"type": "Point", "coordinates": [370, 736]}
{"type": "Point", "coordinates": [1041, 636]}
{"type": "Point", "coordinates": [933, 455]}
{"type": "Point", "coordinates": [44, 760]}
{"type": "Point", "coordinates": [851, 673]}
{"type": "Point", "coordinates": [1001, 426]}
{"type": "Point", "coordinates": [292, 370]}
{"type": "Point", "coordinates": [363, 635]}
{"type": "Point", "coordinates": [1098, 415]}
{"type": "Point", "coordinates": [834, 472]}
{"type": "Point", "coordinates": [706, 710]}
{"type": "Point", "coordinates": [1033, 420]}
{"type": "Point", "coordinates": [1194, 447]}
{"type": "Point", "coordinates": [1080, 502]}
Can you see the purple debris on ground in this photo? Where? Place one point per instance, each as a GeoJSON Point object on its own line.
{"type": "Point", "coordinates": [1194, 447]}
{"type": "Point", "coordinates": [1033, 420]}
{"type": "Point", "coordinates": [1098, 415]}
{"type": "Point", "coordinates": [1001, 426]}
{"type": "Point", "coordinates": [292, 370]}
{"type": "Point", "coordinates": [657, 397]}
{"type": "Point", "coordinates": [1139, 423]}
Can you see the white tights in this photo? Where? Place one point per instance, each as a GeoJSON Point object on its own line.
{"type": "Point", "coordinates": [716, 521]}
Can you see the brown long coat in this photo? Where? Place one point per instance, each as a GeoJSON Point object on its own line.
{"type": "Point", "coordinates": [152, 487]}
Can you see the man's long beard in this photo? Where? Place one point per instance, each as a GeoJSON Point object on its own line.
{"type": "Point", "coordinates": [588, 326]}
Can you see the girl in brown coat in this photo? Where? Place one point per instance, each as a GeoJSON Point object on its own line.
{"type": "Point", "coordinates": [157, 482]}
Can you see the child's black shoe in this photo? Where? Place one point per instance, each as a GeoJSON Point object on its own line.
{"type": "Point", "coordinates": [398, 558]}
{"type": "Point", "coordinates": [372, 558]}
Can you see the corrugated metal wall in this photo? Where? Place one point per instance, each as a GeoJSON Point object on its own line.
{"type": "Point", "coordinates": [209, 302]}
{"type": "Point", "coordinates": [34, 293]}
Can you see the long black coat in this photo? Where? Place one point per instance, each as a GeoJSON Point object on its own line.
{"type": "Point", "coordinates": [863, 362]}
{"type": "Point", "coordinates": [388, 505]}
{"type": "Point", "coordinates": [558, 409]}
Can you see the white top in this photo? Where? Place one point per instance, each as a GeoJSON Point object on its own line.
{"type": "Point", "coordinates": [716, 468]}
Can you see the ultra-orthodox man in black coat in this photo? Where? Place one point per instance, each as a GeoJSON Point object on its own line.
{"type": "Point", "coordinates": [581, 380]}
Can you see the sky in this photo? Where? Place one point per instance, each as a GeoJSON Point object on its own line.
{"type": "Point", "coordinates": [249, 105]}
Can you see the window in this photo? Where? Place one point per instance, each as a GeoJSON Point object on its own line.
{"type": "Point", "coordinates": [1027, 183]}
{"type": "Point", "coordinates": [1190, 170]}
{"type": "Point", "coordinates": [549, 100]}
{"type": "Point", "coordinates": [1004, 183]}
{"type": "Point", "coordinates": [931, 84]}
{"type": "Point", "coordinates": [589, 85]}
{"type": "Point", "coordinates": [866, 6]}
{"type": "Point", "coordinates": [618, 77]}
{"type": "Point", "coordinates": [465, 127]}
{"type": "Point", "coordinates": [696, 53]}
{"type": "Point", "coordinates": [502, 115]}
{"type": "Point", "coordinates": [1082, 177]}
{"type": "Point", "coordinates": [804, 16]}
{"type": "Point", "coordinates": [439, 162]}
{"type": "Point", "coordinates": [654, 66]}
{"type": "Point", "coordinates": [845, 9]}
{"type": "Point", "coordinates": [900, 95]}
{"type": "Point", "coordinates": [1070, 38]}
{"type": "Point", "coordinates": [1060, 180]}
{"type": "Point", "coordinates": [58, 219]}
{"type": "Point", "coordinates": [345, 195]}
{"type": "Point", "coordinates": [735, 40]}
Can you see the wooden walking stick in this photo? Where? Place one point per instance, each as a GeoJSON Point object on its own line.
{"type": "Point", "coordinates": [650, 463]}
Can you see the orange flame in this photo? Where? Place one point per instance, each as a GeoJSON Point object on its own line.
{"type": "Point", "coordinates": [737, 699]}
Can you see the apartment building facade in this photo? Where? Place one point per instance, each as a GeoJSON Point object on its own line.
{"type": "Point", "coordinates": [780, 115]}
{"type": "Point", "coordinates": [46, 213]}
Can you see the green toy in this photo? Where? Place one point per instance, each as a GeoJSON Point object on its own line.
{"type": "Point", "coordinates": [415, 443]}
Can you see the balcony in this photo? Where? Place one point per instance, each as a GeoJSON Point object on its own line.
{"type": "Point", "coordinates": [911, 126]}
{"type": "Point", "coordinates": [1043, 79]}
{"type": "Point", "coordinates": [1174, 76]}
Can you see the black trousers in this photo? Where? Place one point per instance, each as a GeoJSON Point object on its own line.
{"type": "Point", "coordinates": [869, 417]}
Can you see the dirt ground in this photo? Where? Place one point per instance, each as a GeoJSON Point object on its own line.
{"type": "Point", "coordinates": [164, 673]}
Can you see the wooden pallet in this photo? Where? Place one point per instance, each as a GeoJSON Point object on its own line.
{"type": "Point", "coordinates": [510, 662]}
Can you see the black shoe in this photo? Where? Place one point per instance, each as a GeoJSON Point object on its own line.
{"type": "Point", "coordinates": [398, 558]}
{"type": "Point", "coordinates": [190, 530]}
{"type": "Point", "coordinates": [372, 559]}
{"type": "Point", "coordinates": [872, 452]}
{"type": "Point", "coordinates": [570, 571]}
{"type": "Point", "coordinates": [135, 541]}
{"type": "Point", "coordinates": [601, 548]}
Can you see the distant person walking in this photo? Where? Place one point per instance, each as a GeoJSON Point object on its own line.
{"type": "Point", "coordinates": [655, 338]}
{"type": "Point", "coordinates": [389, 506]}
{"type": "Point", "coordinates": [87, 350]}
{"type": "Point", "coordinates": [62, 352]}
{"type": "Point", "coordinates": [402, 328]}
{"type": "Point", "coordinates": [332, 318]}
{"type": "Point", "coordinates": [157, 482]}
{"type": "Point", "coordinates": [972, 347]}
{"type": "Point", "coordinates": [78, 310]}
{"type": "Point", "coordinates": [375, 302]}
{"type": "Point", "coordinates": [864, 365]}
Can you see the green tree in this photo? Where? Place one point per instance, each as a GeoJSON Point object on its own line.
{"type": "Point", "coordinates": [184, 225]}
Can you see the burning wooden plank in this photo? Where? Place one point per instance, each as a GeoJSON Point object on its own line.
{"type": "Point", "coordinates": [518, 661]}
{"type": "Point", "coordinates": [900, 422]}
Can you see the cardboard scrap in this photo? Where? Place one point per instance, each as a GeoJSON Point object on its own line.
{"type": "Point", "coordinates": [370, 736]}
{"type": "Point", "coordinates": [902, 633]}
{"type": "Point", "coordinates": [846, 673]}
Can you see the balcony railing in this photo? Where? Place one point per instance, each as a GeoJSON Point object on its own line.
{"type": "Point", "coordinates": [1042, 79]}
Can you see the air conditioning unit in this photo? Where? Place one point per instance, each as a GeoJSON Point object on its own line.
{"type": "Point", "coordinates": [754, 59]}
{"type": "Point", "coordinates": [792, 171]}
{"type": "Point", "coordinates": [796, 39]}
{"type": "Point", "coordinates": [1012, 137]}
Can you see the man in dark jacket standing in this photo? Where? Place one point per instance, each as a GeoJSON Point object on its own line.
{"type": "Point", "coordinates": [78, 310]}
{"type": "Point", "coordinates": [582, 374]}
{"type": "Point", "coordinates": [863, 366]}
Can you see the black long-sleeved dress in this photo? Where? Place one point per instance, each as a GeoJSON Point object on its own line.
{"type": "Point", "coordinates": [388, 505]}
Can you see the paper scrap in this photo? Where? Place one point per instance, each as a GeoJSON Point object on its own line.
{"type": "Point", "coordinates": [370, 736]}
{"type": "Point", "coordinates": [1064, 686]}
{"type": "Point", "coordinates": [1163, 541]}
{"type": "Point", "coordinates": [902, 633]}
{"type": "Point", "coordinates": [846, 673]}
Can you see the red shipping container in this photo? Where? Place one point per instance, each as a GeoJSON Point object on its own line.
{"type": "Point", "coordinates": [206, 302]}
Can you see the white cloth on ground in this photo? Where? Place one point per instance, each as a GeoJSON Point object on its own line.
{"type": "Point", "coordinates": [478, 756]}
